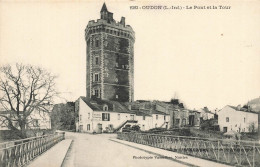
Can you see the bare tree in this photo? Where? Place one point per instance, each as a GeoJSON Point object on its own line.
{"type": "Point", "coordinates": [24, 89]}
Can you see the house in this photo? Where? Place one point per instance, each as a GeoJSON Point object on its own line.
{"type": "Point", "coordinates": [144, 121]}
{"type": "Point", "coordinates": [36, 120]}
{"type": "Point", "coordinates": [159, 119]}
{"type": "Point", "coordinates": [237, 119]}
{"type": "Point", "coordinates": [205, 114]}
{"type": "Point", "coordinates": [97, 116]}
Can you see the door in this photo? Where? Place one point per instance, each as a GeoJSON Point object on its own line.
{"type": "Point", "coordinates": [81, 128]}
{"type": "Point", "coordinates": [99, 130]}
{"type": "Point", "coordinates": [191, 120]}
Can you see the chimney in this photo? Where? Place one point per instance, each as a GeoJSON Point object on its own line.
{"type": "Point", "coordinates": [122, 21]}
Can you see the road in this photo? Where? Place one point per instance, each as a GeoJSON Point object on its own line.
{"type": "Point", "coordinates": [98, 150]}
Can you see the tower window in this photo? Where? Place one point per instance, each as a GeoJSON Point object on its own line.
{"type": "Point", "coordinates": [117, 60]}
{"type": "Point", "coordinates": [96, 77]}
{"type": "Point", "coordinates": [116, 96]}
{"type": "Point", "coordinates": [96, 92]}
{"type": "Point", "coordinates": [97, 43]}
{"type": "Point", "coordinates": [96, 61]}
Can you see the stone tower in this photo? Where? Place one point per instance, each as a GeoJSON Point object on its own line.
{"type": "Point", "coordinates": [110, 58]}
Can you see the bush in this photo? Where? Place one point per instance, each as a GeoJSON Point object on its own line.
{"type": "Point", "coordinates": [135, 128]}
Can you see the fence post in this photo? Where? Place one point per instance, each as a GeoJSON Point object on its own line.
{"type": "Point", "coordinates": [254, 155]}
{"type": "Point", "coordinates": [63, 135]}
{"type": "Point", "coordinates": [218, 150]}
{"type": "Point", "coordinates": [239, 152]}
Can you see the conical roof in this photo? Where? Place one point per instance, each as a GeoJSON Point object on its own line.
{"type": "Point", "coordinates": [104, 7]}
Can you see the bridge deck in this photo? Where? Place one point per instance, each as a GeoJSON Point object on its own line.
{"type": "Point", "coordinates": [53, 157]}
{"type": "Point", "coordinates": [106, 150]}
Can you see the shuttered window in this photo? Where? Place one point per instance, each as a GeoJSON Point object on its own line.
{"type": "Point", "coordinates": [105, 116]}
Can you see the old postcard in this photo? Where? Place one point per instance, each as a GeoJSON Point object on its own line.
{"type": "Point", "coordinates": [135, 83]}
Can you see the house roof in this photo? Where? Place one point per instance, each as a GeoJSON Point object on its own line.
{"type": "Point", "coordinates": [153, 111]}
{"type": "Point", "coordinates": [241, 109]}
{"type": "Point", "coordinates": [139, 113]}
{"type": "Point", "coordinates": [98, 104]}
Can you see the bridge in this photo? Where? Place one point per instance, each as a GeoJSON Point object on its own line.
{"type": "Point", "coordinates": [126, 149]}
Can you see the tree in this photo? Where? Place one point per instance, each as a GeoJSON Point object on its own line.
{"type": "Point", "coordinates": [24, 89]}
{"type": "Point", "coordinates": [63, 116]}
{"type": "Point", "coordinates": [252, 127]}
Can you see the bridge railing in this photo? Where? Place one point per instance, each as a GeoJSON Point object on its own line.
{"type": "Point", "coordinates": [232, 152]}
{"type": "Point", "coordinates": [20, 152]}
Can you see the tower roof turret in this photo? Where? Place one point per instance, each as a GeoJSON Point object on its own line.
{"type": "Point", "coordinates": [104, 8]}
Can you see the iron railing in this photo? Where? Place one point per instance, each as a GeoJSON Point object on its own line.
{"type": "Point", "coordinates": [20, 152]}
{"type": "Point", "coordinates": [232, 152]}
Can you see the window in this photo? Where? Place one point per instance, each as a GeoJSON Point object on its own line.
{"type": "Point", "coordinates": [80, 117]}
{"type": "Point", "coordinates": [116, 96]}
{"type": "Point", "coordinates": [36, 122]}
{"type": "Point", "coordinates": [156, 117]}
{"type": "Point", "coordinates": [96, 43]}
{"type": "Point", "coordinates": [96, 77]}
{"type": "Point", "coordinates": [96, 92]}
{"type": "Point", "coordinates": [117, 60]}
{"type": "Point", "coordinates": [224, 129]}
{"type": "Point", "coordinates": [132, 117]}
{"type": "Point", "coordinates": [155, 125]}
{"type": "Point", "coordinates": [88, 115]}
{"type": "Point", "coordinates": [164, 117]}
{"type": "Point", "coordinates": [183, 122]}
{"type": "Point", "coordinates": [118, 116]}
{"type": "Point", "coordinates": [105, 117]}
{"type": "Point", "coordinates": [244, 119]}
{"type": "Point", "coordinates": [105, 108]}
{"type": "Point", "coordinates": [96, 61]}
{"type": "Point", "coordinates": [227, 119]}
{"type": "Point", "coordinates": [144, 117]}
{"type": "Point", "coordinates": [177, 121]}
{"type": "Point", "coordinates": [88, 127]}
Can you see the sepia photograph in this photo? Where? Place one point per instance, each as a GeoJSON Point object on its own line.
{"type": "Point", "coordinates": [129, 83]}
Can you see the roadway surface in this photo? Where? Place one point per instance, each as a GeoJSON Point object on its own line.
{"type": "Point", "coordinates": [98, 150]}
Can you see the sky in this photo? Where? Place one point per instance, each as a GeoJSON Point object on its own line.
{"type": "Point", "coordinates": [203, 57]}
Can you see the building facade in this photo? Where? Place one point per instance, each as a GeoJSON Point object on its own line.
{"type": "Point", "coordinates": [205, 114]}
{"type": "Point", "coordinates": [110, 58]}
{"type": "Point", "coordinates": [97, 116]}
{"type": "Point", "coordinates": [237, 119]}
